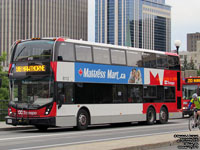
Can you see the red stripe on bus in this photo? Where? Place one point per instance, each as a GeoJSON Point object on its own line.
{"type": "Point", "coordinates": [54, 68]}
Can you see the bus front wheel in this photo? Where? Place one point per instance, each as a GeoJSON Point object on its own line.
{"type": "Point", "coordinates": [151, 116]}
{"type": "Point", "coordinates": [82, 120]}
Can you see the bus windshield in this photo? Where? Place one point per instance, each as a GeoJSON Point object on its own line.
{"type": "Point", "coordinates": [33, 50]}
{"type": "Point", "coordinates": [34, 92]}
{"type": "Point", "coordinates": [188, 90]}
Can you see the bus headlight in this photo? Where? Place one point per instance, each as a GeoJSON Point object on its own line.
{"type": "Point", "coordinates": [184, 107]}
{"type": "Point", "coordinates": [48, 109]}
{"type": "Point", "coordinates": [10, 111]}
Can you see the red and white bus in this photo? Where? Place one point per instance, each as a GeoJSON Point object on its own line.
{"type": "Point", "coordinates": [65, 82]}
{"type": "Point", "coordinates": [191, 85]}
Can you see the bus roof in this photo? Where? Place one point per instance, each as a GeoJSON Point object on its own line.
{"type": "Point", "coordinates": [118, 47]}
{"type": "Point", "coordinates": [101, 45]}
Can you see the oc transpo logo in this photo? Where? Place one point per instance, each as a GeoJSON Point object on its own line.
{"type": "Point", "coordinates": [23, 112]}
{"type": "Point", "coordinates": [20, 112]}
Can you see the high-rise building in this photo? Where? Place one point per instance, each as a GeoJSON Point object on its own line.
{"type": "Point", "coordinates": [192, 40]}
{"type": "Point", "coordinates": [193, 52]}
{"type": "Point", "coordinates": [24, 19]}
{"type": "Point", "coordinates": [137, 23]}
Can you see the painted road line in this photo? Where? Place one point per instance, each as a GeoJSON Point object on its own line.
{"type": "Point", "coordinates": [91, 141]}
{"type": "Point", "coordinates": [88, 131]}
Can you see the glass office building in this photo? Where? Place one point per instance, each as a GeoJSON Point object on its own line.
{"type": "Point", "coordinates": [137, 23]}
{"type": "Point", "coordinates": [24, 19]}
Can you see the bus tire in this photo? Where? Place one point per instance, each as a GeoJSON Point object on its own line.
{"type": "Point", "coordinates": [151, 116]}
{"type": "Point", "coordinates": [82, 120]}
{"type": "Point", "coordinates": [41, 127]}
{"type": "Point", "coordinates": [163, 116]}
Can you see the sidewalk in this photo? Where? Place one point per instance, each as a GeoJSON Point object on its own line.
{"type": "Point", "coordinates": [139, 143]}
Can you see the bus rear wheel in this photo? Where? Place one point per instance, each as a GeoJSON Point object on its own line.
{"type": "Point", "coordinates": [82, 120]}
{"type": "Point", "coordinates": [151, 116]}
{"type": "Point", "coordinates": [163, 117]}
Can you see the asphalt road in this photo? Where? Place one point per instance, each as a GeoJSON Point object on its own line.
{"type": "Point", "coordinates": [31, 138]}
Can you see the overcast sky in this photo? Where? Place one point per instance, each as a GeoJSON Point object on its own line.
{"type": "Point", "coordinates": [185, 16]}
{"type": "Point", "coordinates": [185, 19]}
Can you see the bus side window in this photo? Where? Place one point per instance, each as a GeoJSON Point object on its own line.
{"type": "Point", "coordinates": [83, 53]}
{"type": "Point", "coordinates": [66, 90]}
{"type": "Point", "coordinates": [150, 93]}
{"type": "Point", "coordinates": [101, 55]}
{"type": "Point", "coordinates": [120, 94]}
{"type": "Point", "coordinates": [135, 93]}
{"type": "Point", "coordinates": [118, 57]}
{"type": "Point", "coordinates": [169, 94]}
{"type": "Point", "coordinates": [149, 60]}
{"type": "Point", "coordinates": [134, 58]}
{"type": "Point", "coordinates": [161, 61]}
{"type": "Point", "coordinates": [66, 52]}
{"type": "Point", "coordinates": [173, 62]}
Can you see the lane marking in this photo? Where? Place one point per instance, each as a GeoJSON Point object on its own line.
{"type": "Point", "coordinates": [91, 141]}
{"type": "Point", "coordinates": [88, 131]}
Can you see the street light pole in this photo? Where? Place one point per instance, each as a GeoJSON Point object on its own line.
{"type": "Point", "coordinates": [177, 44]}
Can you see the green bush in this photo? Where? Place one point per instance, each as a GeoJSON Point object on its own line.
{"type": "Point", "coordinates": [4, 90]}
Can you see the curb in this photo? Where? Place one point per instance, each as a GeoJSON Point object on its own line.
{"type": "Point", "coordinates": [150, 146]}
{"type": "Point", "coordinates": [15, 128]}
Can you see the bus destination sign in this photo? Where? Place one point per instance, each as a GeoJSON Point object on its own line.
{"type": "Point", "coordinates": [192, 80]}
{"type": "Point", "coordinates": [32, 68]}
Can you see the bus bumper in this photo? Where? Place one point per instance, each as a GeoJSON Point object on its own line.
{"type": "Point", "coordinates": [30, 121]}
{"type": "Point", "coordinates": [174, 115]}
{"type": "Point", "coordinates": [187, 112]}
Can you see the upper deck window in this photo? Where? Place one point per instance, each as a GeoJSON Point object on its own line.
{"type": "Point", "coordinates": [173, 62]}
{"type": "Point", "coordinates": [83, 53]}
{"type": "Point", "coordinates": [101, 55]}
{"type": "Point", "coordinates": [149, 60]}
{"type": "Point", "coordinates": [162, 61]}
{"type": "Point", "coordinates": [118, 57]}
{"type": "Point", "coordinates": [66, 52]}
{"type": "Point", "coordinates": [134, 58]}
{"type": "Point", "coordinates": [33, 50]}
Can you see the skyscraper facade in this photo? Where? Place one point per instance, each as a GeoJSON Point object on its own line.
{"type": "Point", "coordinates": [192, 41]}
{"type": "Point", "coordinates": [24, 19]}
{"type": "Point", "coordinates": [137, 23]}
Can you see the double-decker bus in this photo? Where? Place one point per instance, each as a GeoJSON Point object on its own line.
{"type": "Point", "coordinates": [191, 85]}
{"type": "Point", "coordinates": [65, 82]}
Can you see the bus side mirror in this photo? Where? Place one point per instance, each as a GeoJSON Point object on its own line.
{"type": "Point", "coordinates": [61, 100]}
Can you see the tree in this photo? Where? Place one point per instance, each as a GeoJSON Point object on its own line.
{"type": "Point", "coordinates": [198, 73]}
{"type": "Point", "coordinates": [191, 64]}
{"type": "Point", "coordinates": [185, 64]}
{"type": "Point", "coordinates": [4, 90]}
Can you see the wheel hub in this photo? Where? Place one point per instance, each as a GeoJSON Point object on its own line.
{"type": "Point", "coordinates": [163, 115]}
{"type": "Point", "coordinates": [82, 120]}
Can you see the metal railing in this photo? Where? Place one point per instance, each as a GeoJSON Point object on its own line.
{"type": "Point", "coordinates": [3, 109]}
